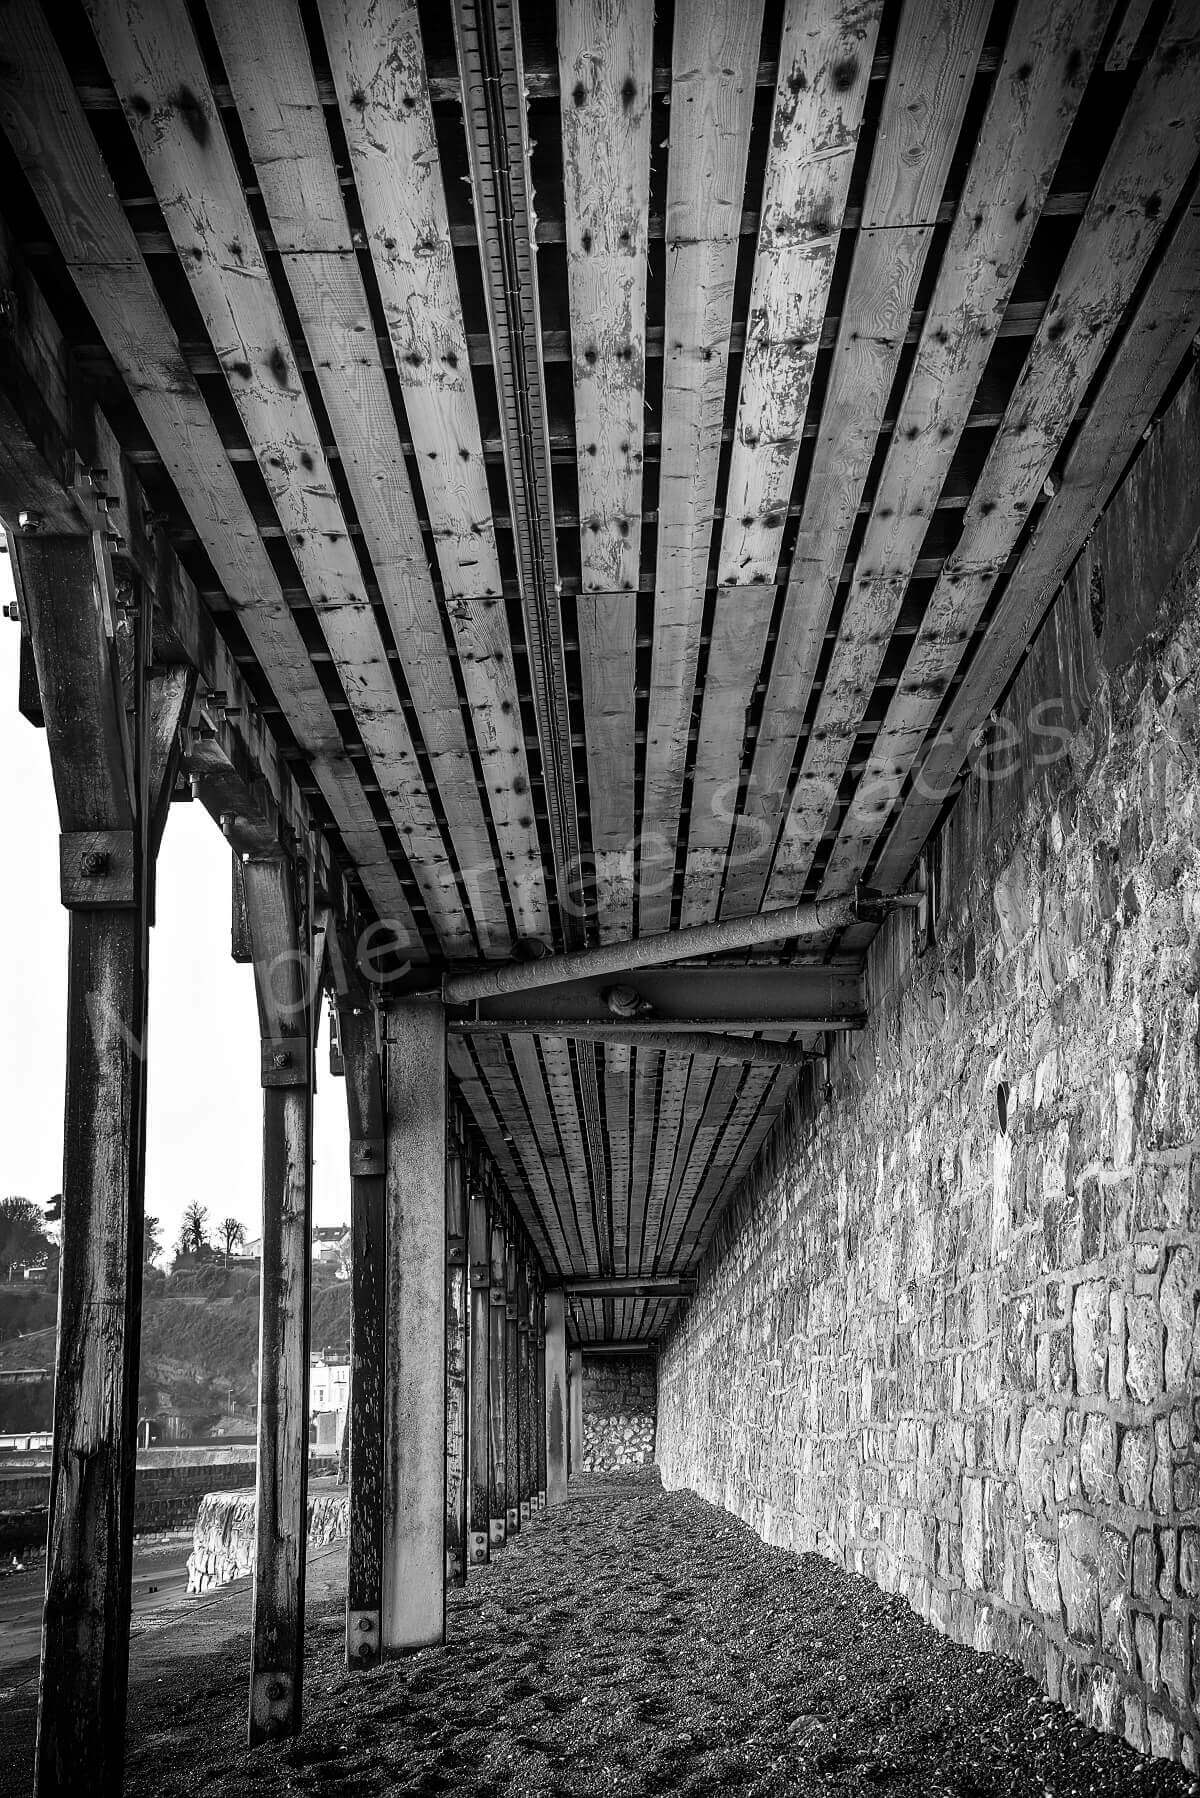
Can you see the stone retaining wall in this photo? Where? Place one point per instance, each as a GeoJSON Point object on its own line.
{"type": "Point", "coordinates": [619, 1398]}
{"type": "Point", "coordinates": [223, 1544]}
{"type": "Point", "coordinates": [947, 1335]}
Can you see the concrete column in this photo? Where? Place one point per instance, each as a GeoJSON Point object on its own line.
{"type": "Point", "coordinates": [415, 1371]}
{"type": "Point", "coordinates": [479, 1479]}
{"type": "Point", "coordinates": [498, 1387]}
{"type": "Point", "coordinates": [556, 1397]}
{"type": "Point", "coordinates": [456, 1370]}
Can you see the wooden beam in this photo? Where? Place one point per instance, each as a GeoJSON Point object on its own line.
{"type": "Point", "coordinates": [525, 1381]}
{"type": "Point", "coordinates": [539, 1338]}
{"type": "Point", "coordinates": [155, 59]}
{"type": "Point", "coordinates": [85, 1637]}
{"type": "Point", "coordinates": [414, 1567]}
{"type": "Point", "coordinates": [514, 1408]}
{"type": "Point", "coordinates": [457, 1415]}
{"type": "Point", "coordinates": [1031, 106]}
{"type": "Point", "coordinates": [714, 63]}
{"type": "Point", "coordinates": [479, 1426]}
{"type": "Point", "coordinates": [605, 73]}
{"type": "Point", "coordinates": [364, 1102]}
{"type": "Point", "coordinates": [824, 68]}
{"type": "Point", "coordinates": [266, 56]}
{"type": "Point", "coordinates": [498, 1383]}
{"type": "Point", "coordinates": [1155, 343]}
{"type": "Point", "coordinates": [279, 915]}
{"type": "Point", "coordinates": [1152, 157]}
{"type": "Point", "coordinates": [54, 144]}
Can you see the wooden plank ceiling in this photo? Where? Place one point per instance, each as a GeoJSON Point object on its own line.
{"type": "Point", "coordinates": [627, 450]}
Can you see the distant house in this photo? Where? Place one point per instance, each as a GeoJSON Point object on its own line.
{"type": "Point", "coordinates": [331, 1248]}
{"type": "Point", "coordinates": [328, 1397]}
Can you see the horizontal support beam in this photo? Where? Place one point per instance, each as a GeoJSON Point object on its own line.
{"type": "Point", "coordinates": [720, 1044]}
{"type": "Point", "coordinates": [725, 998]}
{"type": "Point", "coordinates": [603, 1346]}
{"type": "Point", "coordinates": [652, 1287]}
{"type": "Point", "coordinates": [810, 918]}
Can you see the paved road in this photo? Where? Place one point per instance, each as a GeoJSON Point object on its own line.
{"type": "Point", "coordinates": [159, 1587]}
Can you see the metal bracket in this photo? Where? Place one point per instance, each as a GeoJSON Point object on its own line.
{"type": "Point", "coordinates": [271, 1704]}
{"type": "Point", "coordinates": [284, 1061]}
{"type": "Point", "coordinates": [96, 868]}
{"type": "Point", "coordinates": [366, 1157]}
{"type": "Point", "coordinates": [481, 1276]}
{"type": "Point", "coordinates": [477, 1549]}
{"type": "Point", "coordinates": [362, 1638]}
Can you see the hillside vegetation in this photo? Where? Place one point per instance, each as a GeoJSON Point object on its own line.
{"type": "Point", "coordinates": [199, 1340]}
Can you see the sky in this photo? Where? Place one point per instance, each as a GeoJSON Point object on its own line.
{"type": "Point", "coordinates": [204, 1111]}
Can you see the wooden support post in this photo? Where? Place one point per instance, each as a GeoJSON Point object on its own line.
{"type": "Point", "coordinates": [102, 781]}
{"type": "Point", "coordinates": [575, 1382]}
{"type": "Point", "coordinates": [498, 1385]}
{"type": "Point", "coordinates": [525, 1391]}
{"type": "Point", "coordinates": [414, 1514]}
{"type": "Point", "coordinates": [457, 1446]}
{"type": "Point", "coordinates": [364, 1102]}
{"type": "Point", "coordinates": [540, 1374]}
{"type": "Point", "coordinates": [512, 1386]}
{"type": "Point", "coordinates": [556, 1396]}
{"type": "Point", "coordinates": [279, 915]}
{"type": "Point", "coordinates": [479, 1426]}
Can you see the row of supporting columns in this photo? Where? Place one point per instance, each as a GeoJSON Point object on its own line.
{"type": "Point", "coordinates": [459, 1411]}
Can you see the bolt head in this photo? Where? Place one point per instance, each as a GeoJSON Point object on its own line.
{"type": "Point", "coordinates": [281, 1059]}
{"type": "Point", "coordinates": [30, 522]}
{"type": "Point", "coordinates": [92, 863]}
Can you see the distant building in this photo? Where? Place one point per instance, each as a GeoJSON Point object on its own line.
{"type": "Point", "coordinates": [331, 1248]}
{"type": "Point", "coordinates": [328, 1397]}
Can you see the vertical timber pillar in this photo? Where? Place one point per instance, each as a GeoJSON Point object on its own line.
{"type": "Point", "coordinates": [512, 1385]}
{"type": "Point", "coordinates": [540, 1376]}
{"type": "Point", "coordinates": [524, 1369]}
{"type": "Point", "coordinates": [498, 1385]}
{"type": "Point", "coordinates": [279, 914]}
{"type": "Point", "coordinates": [364, 1560]}
{"type": "Point", "coordinates": [575, 1383]}
{"type": "Point", "coordinates": [414, 1512]}
{"type": "Point", "coordinates": [479, 1482]}
{"type": "Point", "coordinates": [556, 1396]}
{"type": "Point", "coordinates": [106, 797]}
{"type": "Point", "coordinates": [457, 1446]}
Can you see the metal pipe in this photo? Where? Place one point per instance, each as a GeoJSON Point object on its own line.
{"type": "Point", "coordinates": [663, 1286]}
{"type": "Point", "coordinates": [807, 919]}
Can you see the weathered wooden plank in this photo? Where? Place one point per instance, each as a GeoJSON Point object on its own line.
{"type": "Point", "coordinates": [1155, 343]}
{"type": "Point", "coordinates": [1151, 157]}
{"type": "Point", "coordinates": [616, 1112]}
{"type": "Point", "coordinates": [525, 1384]}
{"type": "Point", "coordinates": [479, 1427]}
{"type": "Point", "coordinates": [585, 1180]}
{"type": "Point", "coordinates": [541, 1115]}
{"type": "Point", "coordinates": [53, 142]}
{"type": "Point", "coordinates": [575, 1409]}
{"type": "Point", "coordinates": [714, 55]}
{"type": "Point", "coordinates": [280, 925]}
{"type": "Point", "coordinates": [263, 47]}
{"type": "Point", "coordinates": [936, 52]}
{"type": "Point", "coordinates": [604, 53]}
{"type": "Point", "coordinates": [498, 1384]}
{"type": "Point", "coordinates": [457, 1416]}
{"type": "Point", "coordinates": [646, 1065]}
{"type": "Point", "coordinates": [514, 1397]}
{"type": "Point", "coordinates": [158, 69]}
{"type": "Point", "coordinates": [1137, 14]}
{"type": "Point", "coordinates": [414, 1566]}
{"type": "Point", "coordinates": [541, 1427]}
{"type": "Point", "coordinates": [364, 1104]}
{"type": "Point", "coordinates": [824, 67]}
{"type": "Point", "coordinates": [668, 1122]}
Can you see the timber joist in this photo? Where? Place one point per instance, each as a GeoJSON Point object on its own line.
{"type": "Point", "coordinates": [603, 464]}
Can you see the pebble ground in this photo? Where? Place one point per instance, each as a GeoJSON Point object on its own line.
{"type": "Point", "coordinates": [633, 1642]}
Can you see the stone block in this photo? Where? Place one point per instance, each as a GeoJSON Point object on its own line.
{"type": "Point", "coordinates": [1098, 1459]}
{"type": "Point", "coordinates": [1172, 1660]}
{"type": "Point", "coordinates": [1177, 1300]}
{"type": "Point", "coordinates": [1041, 1439]}
{"type": "Point", "coordinates": [1145, 1637]}
{"type": "Point", "coordinates": [1089, 1335]}
{"type": "Point", "coordinates": [1189, 1563]}
{"type": "Point", "coordinates": [1135, 1467]}
{"type": "Point", "coordinates": [1112, 1578]}
{"type": "Point", "coordinates": [1143, 1348]}
{"type": "Point", "coordinates": [1078, 1553]}
{"type": "Point", "coordinates": [1041, 1573]}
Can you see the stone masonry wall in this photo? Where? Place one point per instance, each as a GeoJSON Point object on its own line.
{"type": "Point", "coordinates": [619, 1401]}
{"type": "Point", "coordinates": [947, 1334]}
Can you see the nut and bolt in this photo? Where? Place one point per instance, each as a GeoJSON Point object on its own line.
{"type": "Point", "coordinates": [281, 1059]}
{"type": "Point", "coordinates": [92, 863]}
{"type": "Point", "coordinates": [31, 522]}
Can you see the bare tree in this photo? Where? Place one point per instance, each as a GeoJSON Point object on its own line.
{"type": "Point", "coordinates": [232, 1234]}
{"type": "Point", "coordinates": [193, 1234]}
